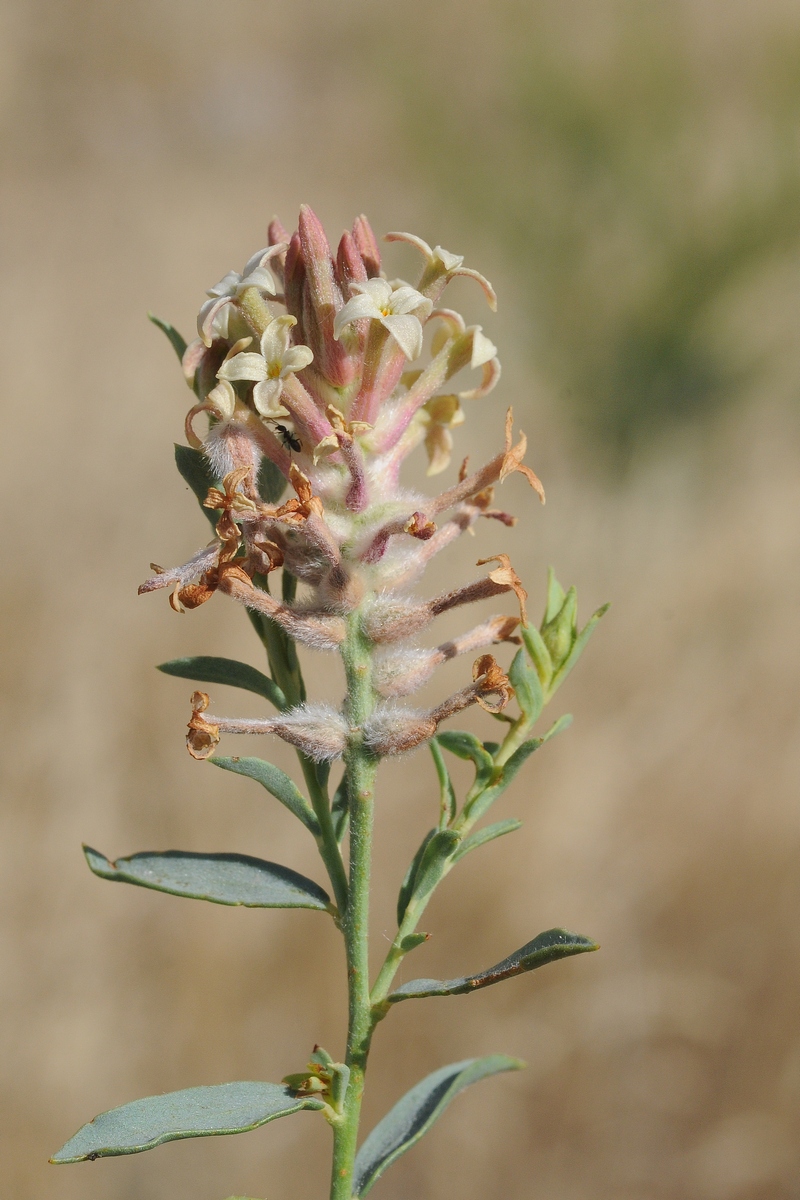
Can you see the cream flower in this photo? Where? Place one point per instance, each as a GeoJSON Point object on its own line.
{"type": "Point", "coordinates": [213, 316]}
{"type": "Point", "coordinates": [278, 358]}
{"type": "Point", "coordinates": [399, 309]}
{"type": "Point", "coordinates": [438, 255]}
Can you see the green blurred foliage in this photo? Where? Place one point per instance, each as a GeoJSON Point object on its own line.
{"type": "Point", "coordinates": [635, 170]}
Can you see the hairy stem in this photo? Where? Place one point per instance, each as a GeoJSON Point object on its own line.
{"type": "Point", "coordinates": [361, 767]}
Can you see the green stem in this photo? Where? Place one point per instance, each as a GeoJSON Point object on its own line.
{"type": "Point", "coordinates": [361, 768]}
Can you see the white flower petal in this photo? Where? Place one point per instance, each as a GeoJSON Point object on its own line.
{"type": "Point", "coordinates": [407, 299]}
{"type": "Point", "coordinates": [356, 308]}
{"type": "Point", "coordinates": [295, 358]}
{"type": "Point", "coordinates": [378, 289]}
{"type": "Point", "coordinates": [482, 349]}
{"type": "Point", "coordinates": [226, 286]}
{"type": "Point", "coordinates": [213, 319]}
{"type": "Point", "coordinates": [275, 338]}
{"type": "Point", "coordinates": [243, 366]}
{"type": "Point", "coordinates": [266, 396]}
{"type": "Point", "coordinates": [261, 278]}
{"type": "Point", "coordinates": [449, 261]}
{"type": "Point", "coordinates": [223, 398]}
{"type": "Point", "coordinates": [412, 240]}
{"type": "Point", "coordinates": [254, 261]}
{"type": "Point", "coordinates": [406, 331]}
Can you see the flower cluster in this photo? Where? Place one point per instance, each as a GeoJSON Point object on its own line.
{"type": "Point", "coordinates": [313, 361]}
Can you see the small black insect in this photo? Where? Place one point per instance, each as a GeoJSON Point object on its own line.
{"type": "Point", "coordinates": [288, 437]}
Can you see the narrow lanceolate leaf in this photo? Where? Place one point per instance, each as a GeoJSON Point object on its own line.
{"type": "Point", "coordinates": [196, 471]}
{"type": "Point", "coordinates": [499, 829]}
{"type": "Point", "coordinates": [277, 783]}
{"type": "Point", "coordinates": [555, 596]}
{"type": "Point", "coordinates": [177, 342]}
{"type": "Point", "coordinates": [447, 795]}
{"type": "Point", "coordinates": [434, 861]}
{"type": "Point", "coordinates": [221, 878]}
{"type": "Point", "coordinates": [558, 726]}
{"type": "Point", "coordinates": [527, 686]}
{"type": "Point", "coordinates": [193, 1112]}
{"type": "Point", "coordinates": [546, 948]}
{"type": "Point", "coordinates": [207, 668]}
{"type": "Point", "coordinates": [413, 1116]}
{"type": "Point", "coordinates": [407, 886]}
{"type": "Point", "coordinates": [577, 648]}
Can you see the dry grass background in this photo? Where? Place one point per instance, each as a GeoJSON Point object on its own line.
{"type": "Point", "coordinates": [145, 147]}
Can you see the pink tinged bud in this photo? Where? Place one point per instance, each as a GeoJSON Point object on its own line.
{"type": "Point", "coordinates": [294, 274]}
{"type": "Point", "coordinates": [316, 729]}
{"type": "Point", "coordinates": [324, 299]}
{"type": "Point", "coordinates": [277, 232]}
{"type": "Point", "coordinates": [367, 244]}
{"type": "Point", "coordinates": [350, 266]}
{"type": "Point", "coordinates": [277, 235]}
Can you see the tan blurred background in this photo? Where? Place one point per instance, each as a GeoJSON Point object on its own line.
{"type": "Point", "coordinates": [627, 174]}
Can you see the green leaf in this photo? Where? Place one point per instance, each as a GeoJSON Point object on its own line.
{"type": "Point", "coordinates": [196, 471]}
{"type": "Point", "coordinates": [467, 746]}
{"type": "Point", "coordinates": [577, 647]}
{"type": "Point", "coordinates": [558, 727]}
{"type": "Point", "coordinates": [499, 829]}
{"type": "Point", "coordinates": [277, 783]}
{"type": "Point", "coordinates": [433, 861]}
{"type": "Point", "coordinates": [206, 668]}
{"type": "Point", "coordinates": [546, 948]}
{"type": "Point", "coordinates": [527, 686]}
{"type": "Point", "coordinates": [413, 1116]}
{"type": "Point", "coordinates": [555, 596]}
{"type": "Point", "coordinates": [407, 886]}
{"type": "Point", "coordinates": [271, 482]}
{"type": "Point", "coordinates": [178, 343]}
{"type": "Point", "coordinates": [193, 1112]}
{"type": "Point", "coordinates": [539, 654]}
{"type": "Point", "coordinates": [221, 878]}
{"type": "Point", "coordinates": [447, 795]}
{"type": "Point", "coordinates": [340, 811]}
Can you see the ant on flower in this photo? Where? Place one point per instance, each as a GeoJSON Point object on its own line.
{"type": "Point", "coordinates": [289, 438]}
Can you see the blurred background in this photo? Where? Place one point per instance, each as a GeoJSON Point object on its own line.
{"type": "Point", "coordinates": [627, 174]}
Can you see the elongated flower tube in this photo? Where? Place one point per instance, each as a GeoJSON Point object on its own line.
{"type": "Point", "coordinates": [306, 403]}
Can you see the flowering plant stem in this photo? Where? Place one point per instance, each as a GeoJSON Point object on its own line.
{"type": "Point", "coordinates": [361, 768]}
{"type": "Point", "coordinates": [334, 419]}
